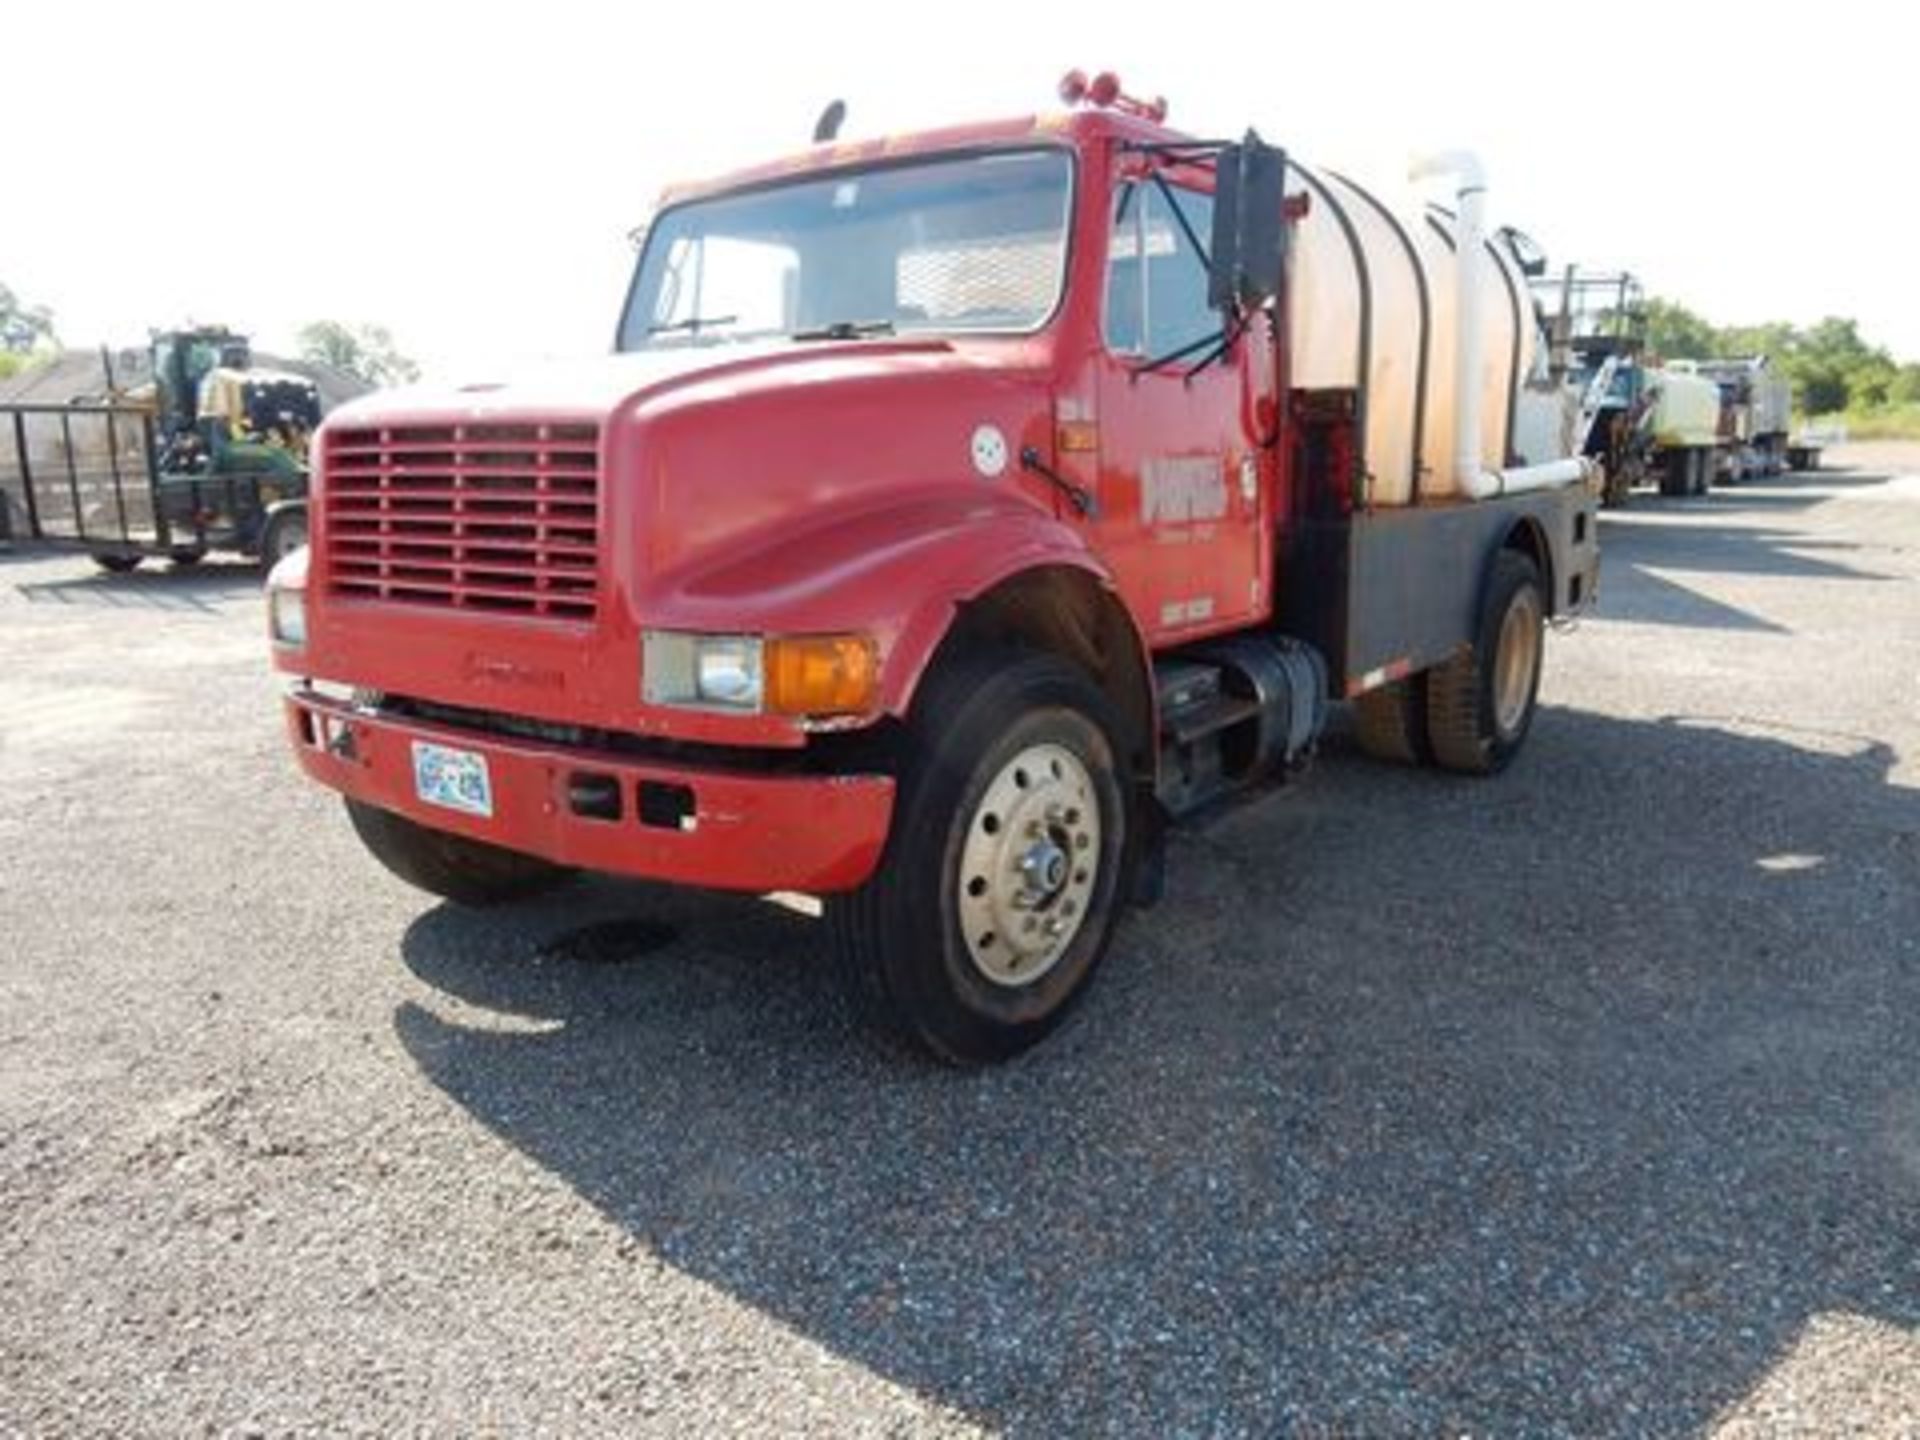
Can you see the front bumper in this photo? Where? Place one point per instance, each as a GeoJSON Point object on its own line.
{"type": "Point", "coordinates": [728, 830]}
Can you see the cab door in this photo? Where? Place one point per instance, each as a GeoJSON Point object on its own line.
{"type": "Point", "coordinates": [1184, 477]}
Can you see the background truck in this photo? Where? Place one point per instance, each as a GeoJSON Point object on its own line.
{"type": "Point", "coordinates": [957, 512]}
{"type": "Point", "coordinates": [1644, 423]}
{"type": "Point", "coordinates": [209, 454]}
{"type": "Point", "coordinates": [1756, 415]}
{"type": "Point", "coordinates": [1682, 430]}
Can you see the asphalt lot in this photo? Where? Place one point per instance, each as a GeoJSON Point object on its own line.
{"type": "Point", "coordinates": [1583, 1100]}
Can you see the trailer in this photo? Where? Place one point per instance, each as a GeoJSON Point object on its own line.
{"type": "Point", "coordinates": [210, 455]}
{"type": "Point", "coordinates": [88, 477]}
{"type": "Point", "coordinates": [959, 512]}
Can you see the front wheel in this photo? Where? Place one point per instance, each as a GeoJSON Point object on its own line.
{"type": "Point", "coordinates": [117, 564]}
{"type": "Point", "coordinates": [1000, 886]}
{"type": "Point", "coordinates": [467, 872]}
{"type": "Point", "coordinates": [1480, 704]}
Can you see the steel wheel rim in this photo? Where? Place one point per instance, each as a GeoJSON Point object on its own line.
{"type": "Point", "coordinates": [1029, 865]}
{"type": "Point", "coordinates": [1516, 662]}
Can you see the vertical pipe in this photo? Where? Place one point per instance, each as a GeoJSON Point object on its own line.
{"type": "Point", "coordinates": [1563, 340]}
{"type": "Point", "coordinates": [1470, 258]}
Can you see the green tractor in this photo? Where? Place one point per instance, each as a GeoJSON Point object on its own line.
{"type": "Point", "coordinates": [230, 449]}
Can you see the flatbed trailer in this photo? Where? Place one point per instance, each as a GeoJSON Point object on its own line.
{"type": "Point", "coordinates": [86, 476]}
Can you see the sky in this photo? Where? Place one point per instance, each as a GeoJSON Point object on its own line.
{"type": "Point", "coordinates": [467, 175]}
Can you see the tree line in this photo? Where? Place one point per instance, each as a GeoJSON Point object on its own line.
{"type": "Point", "coordinates": [27, 336]}
{"type": "Point", "coordinates": [1831, 366]}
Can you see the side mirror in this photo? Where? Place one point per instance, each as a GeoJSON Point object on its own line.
{"type": "Point", "coordinates": [1249, 225]}
{"type": "Point", "coordinates": [1526, 252]}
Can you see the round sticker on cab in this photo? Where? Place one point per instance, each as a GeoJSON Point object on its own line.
{"type": "Point", "coordinates": [989, 451]}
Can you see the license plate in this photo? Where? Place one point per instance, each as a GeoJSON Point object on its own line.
{"type": "Point", "coordinates": [455, 779]}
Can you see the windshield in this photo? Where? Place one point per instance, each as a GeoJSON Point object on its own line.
{"type": "Point", "coordinates": [970, 243]}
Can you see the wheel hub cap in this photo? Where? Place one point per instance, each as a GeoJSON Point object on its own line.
{"type": "Point", "coordinates": [1029, 864]}
{"type": "Point", "coordinates": [1043, 871]}
{"type": "Point", "coordinates": [1516, 663]}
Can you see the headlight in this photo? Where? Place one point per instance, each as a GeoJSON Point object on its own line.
{"type": "Point", "coordinates": [719, 671]}
{"type": "Point", "coordinates": [726, 671]}
{"type": "Point", "coordinates": [287, 618]}
{"type": "Point", "coordinates": [811, 675]}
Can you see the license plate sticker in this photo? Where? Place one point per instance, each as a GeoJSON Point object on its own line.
{"type": "Point", "coordinates": [455, 779]}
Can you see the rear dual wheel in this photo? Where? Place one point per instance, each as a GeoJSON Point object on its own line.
{"type": "Point", "coordinates": [1471, 713]}
{"type": "Point", "coordinates": [1480, 704]}
{"type": "Point", "coordinates": [1687, 472]}
{"type": "Point", "coordinates": [1390, 722]}
{"type": "Point", "coordinates": [1000, 886]}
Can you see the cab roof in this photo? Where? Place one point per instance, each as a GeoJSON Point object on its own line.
{"type": "Point", "coordinates": [1070, 128]}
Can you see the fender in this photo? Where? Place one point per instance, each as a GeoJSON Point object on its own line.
{"type": "Point", "coordinates": [1528, 537]}
{"type": "Point", "coordinates": [897, 570]}
{"type": "Point", "coordinates": [294, 502]}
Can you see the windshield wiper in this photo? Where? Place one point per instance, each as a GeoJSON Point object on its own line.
{"type": "Point", "coordinates": [846, 330]}
{"type": "Point", "coordinates": [694, 323]}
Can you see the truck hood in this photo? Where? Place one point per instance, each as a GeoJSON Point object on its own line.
{"type": "Point", "coordinates": [594, 386]}
{"type": "Point", "coordinates": [708, 449]}
{"type": "Point", "coordinates": [766, 488]}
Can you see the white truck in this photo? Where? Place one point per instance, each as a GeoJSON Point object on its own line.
{"type": "Point", "coordinates": [1756, 415]}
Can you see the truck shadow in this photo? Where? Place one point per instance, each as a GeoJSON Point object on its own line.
{"type": "Point", "coordinates": [1392, 1118]}
{"type": "Point", "coordinates": [1642, 553]}
{"type": "Point", "coordinates": [1797, 490]}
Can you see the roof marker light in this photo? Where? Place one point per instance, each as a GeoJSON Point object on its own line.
{"type": "Point", "coordinates": [1104, 92]}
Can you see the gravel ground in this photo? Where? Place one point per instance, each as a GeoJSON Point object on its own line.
{"type": "Point", "coordinates": [1586, 1100]}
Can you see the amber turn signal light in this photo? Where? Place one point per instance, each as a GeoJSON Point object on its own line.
{"type": "Point", "coordinates": [821, 674]}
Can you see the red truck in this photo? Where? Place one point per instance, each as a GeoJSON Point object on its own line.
{"type": "Point", "coordinates": [958, 511]}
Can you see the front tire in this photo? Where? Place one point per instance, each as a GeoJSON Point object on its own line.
{"type": "Point", "coordinates": [1480, 704]}
{"type": "Point", "coordinates": [467, 872]}
{"type": "Point", "coordinates": [117, 564]}
{"type": "Point", "coordinates": [1000, 887]}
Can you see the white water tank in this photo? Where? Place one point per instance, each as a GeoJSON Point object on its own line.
{"type": "Point", "coordinates": [1372, 297]}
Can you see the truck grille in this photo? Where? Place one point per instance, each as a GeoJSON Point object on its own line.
{"type": "Point", "coordinates": [478, 517]}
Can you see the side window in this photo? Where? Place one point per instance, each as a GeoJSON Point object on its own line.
{"type": "Point", "coordinates": [1156, 275]}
